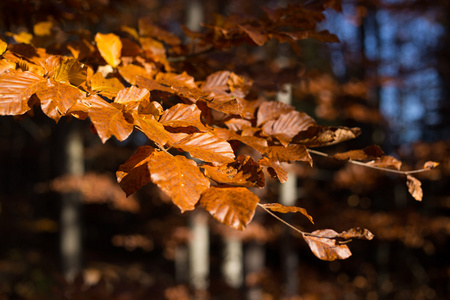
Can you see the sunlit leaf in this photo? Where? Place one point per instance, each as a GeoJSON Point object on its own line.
{"type": "Point", "coordinates": [232, 206]}
{"type": "Point", "coordinates": [272, 110]}
{"type": "Point", "coordinates": [356, 233]}
{"type": "Point", "coordinates": [324, 245]}
{"type": "Point", "coordinates": [110, 47]}
{"type": "Point", "coordinates": [23, 37]}
{"type": "Point", "coordinates": [414, 187]}
{"type": "Point", "coordinates": [430, 165]}
{"type": "Point", "coordinates": [179, 178]}
{"type": "Point", "coordinates": [183, 115]}
{"type": "Point", "coordinates": [287, 209]}
{"type": "Point", "coordinates": [56, 98]}
{"type": "Point", "coordinates": [43, 28]}
{"type": "Point", "coordinates": [258, 144]}
{"type": "Point", "coordinates": [154, 130]}
{"type": "Point", "coordinates": [208, 147]}
{"type": "Point", "coordinates": [108, 87]}
{"type": "Point", "coordinates": [3, 46]}
{"type": "Point", "coordinates": [242, 172]}
{"type": "Point", "coordinates": [237, 124]}
{"type": "Point", "coordinates": [134, 173]}
{"type": "Point", "coordinates": [130, 72]}
{"type": "Point", "coordinates": [388, 162]}
{"type": "Point", "coordinates": [71, 71]}
{"type": "Point", "coordinates": [6, 65]}
{"type": "Point", "coordinates": [319, 136]}
{"type": "Point", "coordinates": [108, 119]}
{"type": "Point", "coordinates": [132, 97]}
{"type": "Point", "coordinates": [16, 88]}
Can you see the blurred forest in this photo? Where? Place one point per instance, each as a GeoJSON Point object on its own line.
{"type": "Point", "coordinates": [388, 75]}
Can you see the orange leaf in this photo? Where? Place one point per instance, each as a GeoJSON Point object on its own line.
{"type": "Point", "coordinates": [414, 187]}
{"type": "Point", "coordinates": [356, 233]}
{"type": "Point", "coordinates": [242, 172]}
{"type": "Point", "coordinates": [108, 119]}
{"type": "Point", "coordinates": [386, 161]}
{"type": "Point", "coordinates": [234, 206]}
{"type": "Point", "coordinates": [237, 124]}
{"type": "Point", "coordinates": [318, 136]}
{"type": "Point", "coordinates": [324, 245]}
{"type": "Point", "coordinates": [3, 46]}
{"type": "Point", "coordinates": [154, 130]}
{"type": "Point", "coordinates": [134, 173]}
{"type": "Point", "coordinates": [70, 70]}
{"type": "Point", "coordinates": [110, 47]}
{"type": "Point", "coordinates": [286, 209]}
{"type": "Point", "coordinates": [183, 115]}
{"type": "Point", "coordinates": [16, 88]}
{"type": "Point", "coordinates": [131, 97]}
{"type": "Point", "coordinates": [57, 98]}
{"type": "Point", "coordinates": [130, 72]}
{"type": "Point", "coordinates": [274, 168]}
{"type": "Point", "coordinates": [107, 87]}
{"type": "Point", "coordinates": [256, 143]}
{"type": "Point", "coordinates": [179, 178]}
{"type": "Point", "coordinates": [430, 165]}
{"type": "Point", "coordinates": [368, 153]}
{"type": "Point", "coordinates": [208, 147]}
{"type": "Point", "coordinates": [289, 154]}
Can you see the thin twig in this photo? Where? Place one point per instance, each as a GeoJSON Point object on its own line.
{"type": "Point", "coordinates": [359, 163]}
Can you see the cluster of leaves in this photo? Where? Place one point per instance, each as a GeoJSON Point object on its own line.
{"type": "Point", "coordinates": [125, 81]}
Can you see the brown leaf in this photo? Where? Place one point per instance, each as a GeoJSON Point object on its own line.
{"type": "Point", "coordinates": [179, 178]}
{"type": "Point", "coordinates": [109, 87]}
{"type": "Point", "coordinates": [388, 162]}
{"type": "Point", "coordinates": [134, 173]}
{"type": "Point", "coordinates": [130, 72]}
{"type": "Point", "coordinates": [57, 98]}
{"type": "Point", "coordinates": [256, 34]}
{"type": "Point", "coordinates": [256, 143]}
{"type": "Point", "coordinates": [132, 97]}
{"type": "Point", "coordinates": [323, 244]}
{"type": "Point", "coordinates": [288, 125]}
{"type": "Point", "coordinates": [287, 209]}
{"type": "Point", "coordinates": [237, 124]}
{"type": "Point", "coordinates": [272, 110]}
{"type": "Point", "coordinates": [430, 165]}
{"type": "Point", "coordinates": [233, 206]}
{"type": "Point", "coordinates": [242, 172]}
{"type": "Point", "coordinates": [146, 28]}
{"type": "Point", "coordinates": [70, 70]}
{"type": "Point", "coordinates": [366, 154]}
{"type": "Point", "coordinates": [183, 115]}
{"type": "Point", "coordinates": [108, 119]}
{"type": "Point", "coordinates": [289, 154]}
{"type": "Point", "coordinates": [356, 233]}
{"type": "Point", "coordinates": [414, 187]}
{"type": "Point", "coordinates": [274, 168]}
{"type": "Point", "coordinates": [319, 136]}
{"type": "Point", "coordinates": [207, 147]}
{"type": "Point", "coordinates": [110, 47]}
{"type": "Point", "coordinates": [16, 88]}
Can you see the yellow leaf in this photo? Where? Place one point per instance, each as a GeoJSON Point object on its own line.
{"type": "Point", "coordinates": [3, 46]}
{"type": "Point", "coordinates": [43, 28]}
{"type": "Point", "coordinates": [110, 47]}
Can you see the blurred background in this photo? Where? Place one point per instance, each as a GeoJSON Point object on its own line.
{"type": "Point", "coordinates": [389, 75]}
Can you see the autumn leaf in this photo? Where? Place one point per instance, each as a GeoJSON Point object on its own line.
{"type": "Point", "coordinates": [356, 233]}
{"type": "Point", "coordinates": [3, 46]}
{"type": "Point", "coordinates": [71, 71]}
{"type": "Point", "coordinates": [108, 119]}
{"type": "Point", "coordinates": [430, 165]}
{"type": "Point", "coordinates": [207, 147]}
{"type": "Point", "coordinates": [366, 154]}
{"type": "Point", "coordinates": [132, 97]}
{"type": "Point", "coordinates": [108, 87]}
{"type": "Point", "coordinates": [232, 206]}
{"type": "Point", "coordinates": [414, 187]}
{"type": "Point", "coordinates": [287, 209]}
{"type": "Point", "coordinates": [110, 47]}
{"type": "Point", "coordinates": [242, 172]}
{"type": "Point", "coordinates": [57, 98]}
{"type": "Point", "coordinates": [256, 143]}
{"type": "Point", "coordinates": [272, 110]}
{"type": "Point", "coordinates": [183, 115]}
{"type": "Point", "coordinates": [179, 178]}
{"type": "Point", "coordinates": [319, 136]}
{"type": "Point", "coordinates": [387, 161]}
{"type": "Point", "coordinates": [130, 72]}
{"type": "Point", "coordinates": [16, 88]}
{"type": "Point", "coordinates": [274, 168]}
{"type": "Point", "coordinates": [134, 173]}
{"type": "Point", "coordinates": [324, 245]}
{"type": "Point", "coordinates": [154, 130]}
{"type": "Point", "coordinates": [289, 154]}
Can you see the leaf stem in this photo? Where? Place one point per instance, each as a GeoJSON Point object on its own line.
{"type": "Point", "coordinates": [281, 220]}
{"type": "Point", "coordinates": [359, 163]}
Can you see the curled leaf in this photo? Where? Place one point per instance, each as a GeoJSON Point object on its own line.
{"type": "Point", "coordinates": [324, 245]}
{"type": "Point", "coordinates": [366, 154]}
{"type": "Point", "coordinates": [287, 209]}
{"type": "Point", "coordinates": [414, 187]}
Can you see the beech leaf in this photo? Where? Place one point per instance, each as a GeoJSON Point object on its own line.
{"type": "Point", "coordinates": [179, 178]}
{"type": "Point", "coordinates": [319, 136]}
{"type": "Point", "coordinates": [356, 233]}
{"type": "Point", "coordinates": [57, 98]}
{"type": "Point", "coordinates": [289, 154]}
{"type": "Point", "coordinates": [109, 87]}
{"type": "Point", "coordinates": [108, 119]}
{"type": "Point", "coordinates": [207, 147]}
{"type": "Point", "coordinates": [70, 70]}
{"type": "Point", "coordinates": [388, 162]}
{"type": "Point", "coordinates": [16, 88]}
{"type": "Point", "coordinates": [183, 115]}
{"type": "Point", "coordinates": [274, 168]}
{"type": "Point", "coordinates": [154, 130]}
{"type": "Point", "coordinates": [324, 245]}
{"type": "Point", "coordinates": [272, 110]}
{"type": "Point", "coordinates": [287, 209]}
{"type": "Point", "coordinates": [110, 47]}
{"type": "Point", "coordinates": [232, 206]}
{"type": "Point", "coordinates": [366, 154]}
{"type": "Point", "coordinates": [134, 173]}
{"type": "Point", "coordinates": [414, 187]}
